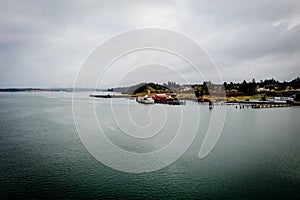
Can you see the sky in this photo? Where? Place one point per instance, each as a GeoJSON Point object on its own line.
{"type": "Point", "coordinates": [46, 43]}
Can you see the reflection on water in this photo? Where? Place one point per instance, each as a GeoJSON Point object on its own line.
{"type": "Point", "coordinates": [257, 155]}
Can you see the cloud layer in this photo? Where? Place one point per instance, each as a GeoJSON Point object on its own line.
{"type": "Point", "coordinates": [44, 43]}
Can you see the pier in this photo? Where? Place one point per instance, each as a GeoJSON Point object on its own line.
{"type": "Point", "coordinates": [256, 106]}
{"type": "Point", "coordinates": [262, 104]}
{"type": "Point", "coordinates": [170, 102]}
{"type": "Point", "coordinates": [109, 96]}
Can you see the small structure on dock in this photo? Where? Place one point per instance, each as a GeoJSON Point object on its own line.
{"type": "Point", "coordinates": [165, 99]}
{"type": "Point", "coordinates": [210, 104]}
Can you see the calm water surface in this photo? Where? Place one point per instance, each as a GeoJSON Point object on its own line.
{"type": "Point", "coordinates": [256, 157]}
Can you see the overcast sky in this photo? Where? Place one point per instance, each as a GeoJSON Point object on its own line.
{"type": "Point", "coordinates": [44, 43]}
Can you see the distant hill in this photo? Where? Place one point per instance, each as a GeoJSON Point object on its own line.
{"type": "Point", "coordinates": [141, 87]}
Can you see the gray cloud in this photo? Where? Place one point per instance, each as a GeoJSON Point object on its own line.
{"type": "Point", "coordinates": [44, 43]}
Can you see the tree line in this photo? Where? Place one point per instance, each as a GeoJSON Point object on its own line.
{"type": "Point", "coordinates": [269, 86]}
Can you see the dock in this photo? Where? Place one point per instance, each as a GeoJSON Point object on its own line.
{"type": "Point", "coordinates": [263, 104]}
{"type": "Point", "coordinates": [256, 106]}
{"type": "Point", "coordinates": [108, 96]}
{"type": "Point", "coordinates": [170, 102]}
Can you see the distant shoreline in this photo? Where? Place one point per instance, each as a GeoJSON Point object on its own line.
{"type": "Point", "coordinates": [51, 90]}
{"type": "Point", "coordinates": [33, 90]}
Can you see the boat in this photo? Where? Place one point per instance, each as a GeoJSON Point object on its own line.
{"type": "Point", "coordinates": [145, 100]}
{"type": "Point", "coordinates": [148, 100]}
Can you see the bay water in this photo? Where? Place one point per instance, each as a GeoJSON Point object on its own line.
{"type": "Point", "coordinates": [42, 156]}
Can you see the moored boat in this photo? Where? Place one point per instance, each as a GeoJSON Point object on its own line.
{"type": "Point", "coordinates": [145, 100]}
